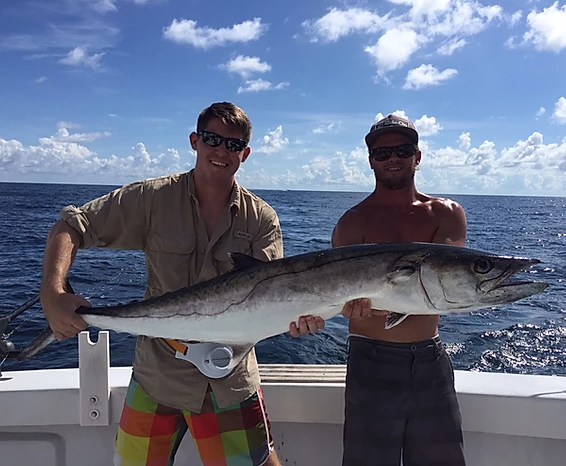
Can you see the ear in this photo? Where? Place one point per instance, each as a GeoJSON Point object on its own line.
{"type": "Point", "coordinates": [246, 153]}
{"type": "Point", "coordinates": [193, 138]}
{"type": "Point", "coordinates": [371, 161]}
{"type": "Point", "coordinates": [418, 156]}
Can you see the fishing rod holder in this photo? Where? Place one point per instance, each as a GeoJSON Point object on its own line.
{"type": "Point", "coordinates": [94, 387]}
{"type": "Point", "coordinates": [7, 350]}
{"type": "Point", "coordinates": [6, 346]}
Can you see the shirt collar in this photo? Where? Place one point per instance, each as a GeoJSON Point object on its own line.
{"type": "Point", "coordinates": [235, 197]}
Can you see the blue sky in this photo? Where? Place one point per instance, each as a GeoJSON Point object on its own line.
{"type": "Point", "coordinates": [107, 91]}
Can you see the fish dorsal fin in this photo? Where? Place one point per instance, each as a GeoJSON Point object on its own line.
{"type": "Point", "coordinates": [243, 261]}
{"type": "Point", "coordinates": [393, 319]}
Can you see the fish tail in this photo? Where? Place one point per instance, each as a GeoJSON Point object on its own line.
{"type": "Point", "coordinates": [40, 342]}
{"type": "Point", "coordinates": [44, 339]}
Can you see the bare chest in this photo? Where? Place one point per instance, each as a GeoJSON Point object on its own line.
{"type": "Point", "coordinates": [414, 226]}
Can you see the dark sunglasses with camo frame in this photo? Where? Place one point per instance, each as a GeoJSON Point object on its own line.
{"type": "Point", "coordinates": [214, 140]}
{"type": "Point", "coordinates": [404, 151]}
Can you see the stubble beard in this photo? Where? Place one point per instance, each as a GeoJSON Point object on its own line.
{"type": "Point", "coordinates": [395, 183]}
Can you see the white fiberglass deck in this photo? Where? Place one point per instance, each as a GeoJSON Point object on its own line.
{"type": "Point", "coordinates": [509, 420]}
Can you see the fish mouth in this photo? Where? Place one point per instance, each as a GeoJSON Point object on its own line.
{"type": "Point", "coordinates": [504, 279]}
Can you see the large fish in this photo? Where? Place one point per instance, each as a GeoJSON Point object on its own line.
{"type": "Point", "coordinates": [259, 299]}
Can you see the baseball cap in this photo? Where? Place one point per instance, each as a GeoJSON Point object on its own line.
{"type": "Point", "coordinates": [390, 124]}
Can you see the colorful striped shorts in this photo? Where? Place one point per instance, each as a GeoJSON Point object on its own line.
{"type": "Point", "coordinates": [150, 433]}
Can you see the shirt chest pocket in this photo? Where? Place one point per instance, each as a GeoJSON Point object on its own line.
{"type": "Point", "coordinates": [221, 251]}
{"type": "Point", "coordinates": [169, 261]}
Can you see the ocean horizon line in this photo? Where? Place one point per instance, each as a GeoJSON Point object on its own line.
{"type": "Point", "coordinates": [253, 189]}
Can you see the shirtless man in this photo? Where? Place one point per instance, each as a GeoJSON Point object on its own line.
{"type": "Point", "coordinates": [400, 397]}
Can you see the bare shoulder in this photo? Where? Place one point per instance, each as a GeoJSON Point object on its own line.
{"type": "Point", "coordinates": [446, 208]}
{"type": "Point", "coordinates": [348, 229]}
{"type": "Point", "coordinates": [451, 219]}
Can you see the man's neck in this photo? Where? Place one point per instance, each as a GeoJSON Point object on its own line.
{"type": "Point", "coordinates": [396, 197]}
{"type": "Point", "coordinates": [212, 194]}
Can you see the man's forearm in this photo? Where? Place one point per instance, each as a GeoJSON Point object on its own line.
{"type": "Point", "coordinates": [62, 245]}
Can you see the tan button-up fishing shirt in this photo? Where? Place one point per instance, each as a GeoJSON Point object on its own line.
{"type": "Point", "coordinates": [161, 217]}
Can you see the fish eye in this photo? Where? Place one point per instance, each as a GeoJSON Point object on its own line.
{"type": "Point", "coordinates": [483, 265]}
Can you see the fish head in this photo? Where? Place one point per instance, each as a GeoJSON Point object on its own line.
{"type": "Point", "coordinates": [459, 280]}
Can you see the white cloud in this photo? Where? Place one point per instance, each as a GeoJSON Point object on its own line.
{"type": "Point", "coordinates": [425, 8]}
{"type": "Point", "coordinates": [533, 153]}
{"type": "Point", "coordinates": [527, 167]}
{"type": "Point", "coordinates": [331, 127]}
{"type": "Point", "coordinates": [100, 6]}
{"type": "Point", "coordinates": [64, 158]}
{"type": "Point", "coordinates": [523, 157]}
{"type": "Point", "coordinates": [465, 141]}
{"type": "Point", "coordinates": [511, 42]}
{"type": "Point", "coordinates": [63, 135]}
{"type": "Point", "coordinates": [427, 75]}
{"type": "Point", "coordinates": [41, 79]}
{"type": "Point", "coordinates": [341, 169]}
{"type": "Point", "coordinates": [88, 34]}
{"type": "Point", "coordinates": [246, 66]}
{"type": "Point", "coordinates": [67, 124]}
{"type": "Point", "coordinates": [449, 47]}
{"type": "Point", "coordinates": [547, 29]}
{"type": "Point", "coordinates": [515, 17]}
{"type": "Point", "coordinates": [186, 32]}
{"type": "Point", "coordinates": [400, 113]}
{"type": "Point", "coordinates": [257, 85]}
{"type": "Point", "coordinates": [339, 23]}
{"type": "Point", "coordinates": [104, 6]}
{"type": "Point", "coordinates": [483, 157]}
{"type": "Point", "coordinates": [273, 142]}
{"type": "Point", "coordinates": [445, 23]}
{"type": "Point", "coordinates": [324, 171]}
{"type": "Point", "coordinates": [80, 57]}
{"type": "Point", "coordinates": [427, 126]}
{"type": "Point", "coordinates": [463, 19]}
{"type": "Point", "coordinates": [559, 114]}
{"type": "Point", "coordinates": [394, 48]}
{"type": "Point", "coordinates": [541, 111]}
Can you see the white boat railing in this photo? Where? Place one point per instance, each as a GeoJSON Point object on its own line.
{"type": "Point", "coordinates": [68, 416]}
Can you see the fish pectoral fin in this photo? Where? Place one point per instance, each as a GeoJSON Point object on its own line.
{"type": "Point", "coordinates": [243, 261]}
{"type": "Point", "coordinates": [393, 319]}
{"type": "Point", "coordinates": [401, 274]}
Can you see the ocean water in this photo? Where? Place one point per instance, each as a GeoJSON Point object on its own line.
{"type": "Point", "coordinates": [525, 337]}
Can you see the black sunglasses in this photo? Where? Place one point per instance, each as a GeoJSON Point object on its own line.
{"type": "Point", "coordinates": [214, 140]}
{"type": "Point", "coordinates": [404, 151]}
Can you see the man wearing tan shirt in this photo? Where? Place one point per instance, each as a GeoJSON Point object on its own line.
{"type": "Point", "coordinates": [186, 225]}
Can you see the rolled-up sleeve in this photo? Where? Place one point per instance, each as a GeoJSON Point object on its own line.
{"type": "Point", "coordinates": [114, 221]}
{"type": "Point", "coordinates": [268, 243]}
